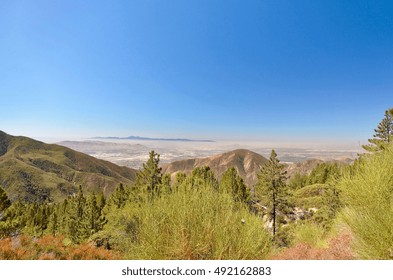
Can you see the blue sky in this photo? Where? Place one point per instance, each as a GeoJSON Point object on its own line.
{"type": "Point", "coordinates": [261, 69]}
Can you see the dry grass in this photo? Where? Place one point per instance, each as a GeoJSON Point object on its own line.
{"type": "Point", "coordinates": [51, 248]}
{"type": "Point", "coordinates": [339, 248]}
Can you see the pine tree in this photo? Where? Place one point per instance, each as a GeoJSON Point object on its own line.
{"type": "Point", "coordinates": [93, 215]}
{"type": "Point", "coordinates": [4, 201]}
{"type": "Point", "coordinates": [180, 179]}
{"type": "Point", "coordinates": [101, 201]}
{"type": "Point", "coordinates": [13, 219]}
{"type": "Point", "coordinates": [166, 184]}
{"type": "Point", "coordinates": [383, 133]}
{"type": "Point", "coordinates": [232, 182]}
{"type": "Point", "coordinates": [119, 197]}
{"type": "Point", "coordinates": [77, 220]}
{"type": "Point", "coordinates": [271, 189]}
{"type": "Point", "coordinates": [204, 177]}
{"type": "Point", "coordinates": [53, 224]}
{"type": "Point", "coordinates": [62, 216]}
{"type": "Point", "coordinates": [150, 177]}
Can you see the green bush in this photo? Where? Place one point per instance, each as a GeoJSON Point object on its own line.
{"type": "Point", "coordinates": [192, 223]}
{"type": "Point", "coordinates": [368, 194]}
{"type": "Point", "coordinates": [310, 234]}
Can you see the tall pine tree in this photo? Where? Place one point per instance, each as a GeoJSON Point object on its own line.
{"type": "Point", "coordinates": [272, 191]}
{"type": "Point", "coordinates": [150, 177]}
{"type": "Point", "coordinates": [383, 133]}
{"type": "Point", "coordinates": [78, 226]}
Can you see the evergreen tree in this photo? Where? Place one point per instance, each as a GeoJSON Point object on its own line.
{"type": "Point", "coordinates": [4, 201]}
{"type": "Point", "coordinates": [383, 133]}
{"type": "Point", "coordinates": [298, 181]}
{"type": "Point", "coordinates": [101, 201]}
{"type": "Point", "coordinates": [77, 221]}
{"type": "Point", "coordinates": [119, 197]}
{"type": "Point", "coordinates": [324, 173]}
{"type": "Point", "coordinates": [180, 178]}
{"type": "Point", "coordinates": [53, 223]}
{"type": "Point", "coordinates": [271, 189]}
{"type": "Point", "coordinates": [62, 216]}
{"type": "Point", "coordinates": [150, 177]}
{"type": "Point", "coordinates": [93, 214]}
{"type": "Point", "coordinates": [166, 184]}
{"type": "Point", "coordinates": [232, 182]}
{"type": "Point", "coordinates": [204, 177]}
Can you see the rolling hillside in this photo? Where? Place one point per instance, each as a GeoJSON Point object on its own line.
{"type": "Point", "coordinates": [246, 162]}
{"type": "Point", "coordinates": [31, 170]}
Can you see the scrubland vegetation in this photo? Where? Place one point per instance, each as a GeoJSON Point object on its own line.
{"type": "Point", "coordinates": [336, 212]}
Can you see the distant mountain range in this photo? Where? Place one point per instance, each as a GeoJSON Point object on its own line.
{"type": "Point", "coordinates": [31, 170]}
{"type": "Point", "coordinates": [141, 138]}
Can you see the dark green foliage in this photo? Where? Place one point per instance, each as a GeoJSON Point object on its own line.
{"type": "Point", "coordinates": [119, 197]}
{"type": "Point", "coordinates": [323, 173]}
{"type": "Point", "coordinates": [166, 187]}
{"type": "Point", "coordinates": [77, 222]}
{"type": "Point", "coordinates": [83, 216]}
{"type": "Point", "coordinates": [149, 178]}
{"type": "Point", "coordinates": [77, 218]}
{"type": "Point", "coordinates": [323, 199]}
{"type": "Point", "coordinates": [94, 214]}
{"type": "Point", "coordinates": [4, 143]}
{"type": "Point", "coordinates": [180, 178]}
{"type": "Point", "coordinates": [4, 201]}
{"type": "Point", "coordinates": [383, 133]}
{"type": "Point", "coordinates": [13, 219]}
{"type": "Point", "coordinates": [53, 224]}
{"type": "Point", "coordinates": [272, 191]}
{"type": "Point", "coordinates": [232, 182]}
{"type": "Point", "coordinates": [298, 181]}
{"type": "Point", "coordinates": [204, 177]}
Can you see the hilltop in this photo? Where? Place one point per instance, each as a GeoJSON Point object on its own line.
{"type": "Point", "coordinates": [31, 170]}
{"type": "Point", "coordinates": [246, 162]}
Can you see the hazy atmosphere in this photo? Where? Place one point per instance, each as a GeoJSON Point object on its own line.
{"type": "Point", "coordinates": [285, 73]}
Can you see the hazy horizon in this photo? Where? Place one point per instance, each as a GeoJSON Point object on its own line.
{"type": "Point", "coordinates": [133, 153]}
{"type": "Point", "coordinates": [304, 74]}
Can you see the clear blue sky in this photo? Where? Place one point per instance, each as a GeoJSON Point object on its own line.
{"type": "Point", "coordinates": [200, 69]}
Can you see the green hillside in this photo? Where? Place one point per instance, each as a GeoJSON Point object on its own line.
{"type": "Point", "coordinates": [31, 170]}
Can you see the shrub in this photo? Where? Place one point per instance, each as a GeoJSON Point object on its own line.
{"type": "Point", "coordinates": [309, 234]}
{"type": "Point", "coordinates": [368, 194]}
{"type": "Point", "coordinates": [50, 248]}
{"type": "Point", "coordinates": [192, 223]}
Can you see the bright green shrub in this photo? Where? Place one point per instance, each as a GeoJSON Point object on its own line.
{"type": "Point", "coordinates": [192, 223]}
{"type": "Point", "coordinates": [368, 193]}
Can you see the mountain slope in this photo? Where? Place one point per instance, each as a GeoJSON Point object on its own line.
{"type": "Point", "coordinates": [303, 167]}
{"type": "Point", "coordinates": [246, 162]}
{"type": "Point", "coordinates": [33, 171]}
